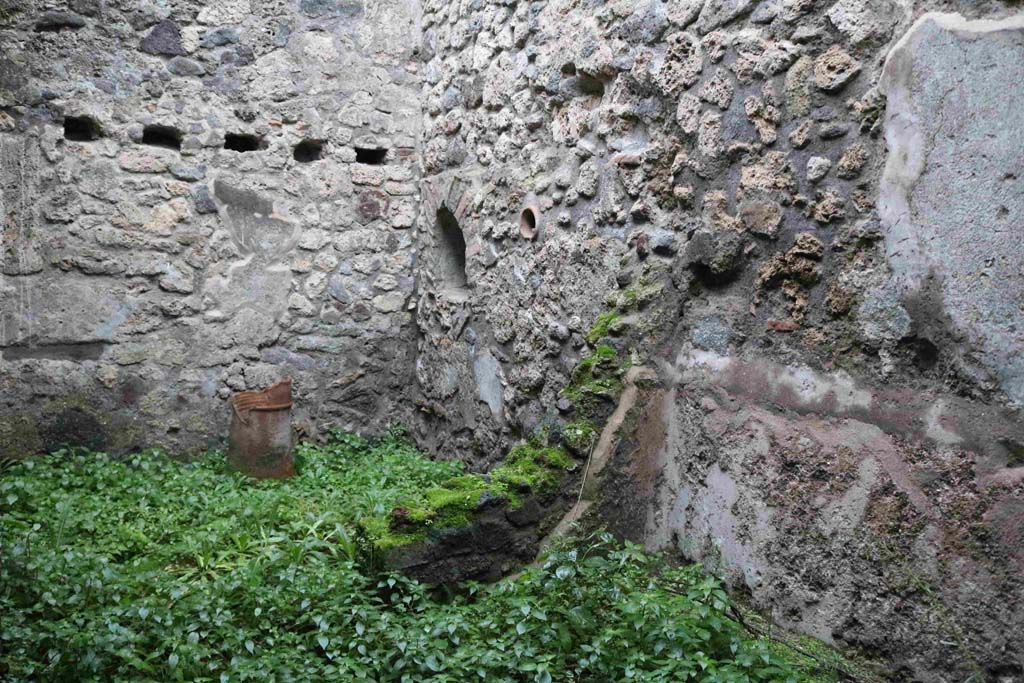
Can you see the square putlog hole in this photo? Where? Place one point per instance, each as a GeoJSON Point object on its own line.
{"type": "Point", "coordinates": [242, 142]}
{"type": "Point", "coordinates": [162, 136]}
{"type": "Point", "coordinates": [308, 150]}
{"type": "Point", "coordinates": [371, 156]}
{"type": "Point", "coordinates": [81, 129]}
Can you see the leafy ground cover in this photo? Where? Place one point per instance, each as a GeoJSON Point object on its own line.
{"type": "Point", "coordinates": [144, 569]}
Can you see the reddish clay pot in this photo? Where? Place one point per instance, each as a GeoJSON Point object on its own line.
{"type": "Point", "coordinates": [260, 440]}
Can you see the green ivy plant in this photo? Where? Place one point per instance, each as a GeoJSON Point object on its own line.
{"type": "Point", "coordinates": [145, 569]}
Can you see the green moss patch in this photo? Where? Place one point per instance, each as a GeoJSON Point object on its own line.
{"type": "Point", "coordinates": [532, 468]}
{"type": "Point", "coordinates": [597, 378]}
{"type": "Point", "coordinates": [19, 437]}
{"type": "Point", "coordinates": [528, 468]}
{"type": "Point", "coordinates": [579, 436]}
{"type": "Point", "coordinates": [602, 326]}
{"type": "Point", "coordinates": [812, 660]}
{"type": "Point", "coordinates": [635, 297]}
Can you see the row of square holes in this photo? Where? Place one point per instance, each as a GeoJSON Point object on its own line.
{"type": "Point", "coordinates": [85, 129]}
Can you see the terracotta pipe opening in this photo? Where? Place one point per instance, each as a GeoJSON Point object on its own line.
{"type": "Point", "coordinates": [528, 223]}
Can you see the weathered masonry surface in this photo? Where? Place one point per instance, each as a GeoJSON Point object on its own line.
{"type": "Point", "coordinates": [805, 214]}
{"type": "Point", "coordinates": [199, 199]}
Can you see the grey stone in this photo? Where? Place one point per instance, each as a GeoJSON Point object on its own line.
{"type": "Point", "coordinates": [717, 253]}
{"type": "Point", "coordinates": [817, 168]}
{"type": "Point", "coordinates": [711, 333]}
{"type": "Point", "coordinates": [834, 69]}
{"type": "Point", "coordinates": [682, 13]}
{"type": "Point", "coordinates": [219, 37]}
{"type": "Point", "coordinates": [833, 130]}
{"type": "Point", "coordinates": [798, 86]}
{"type": "Point", "coordinates": [718, 13]}
{"type": "Point", "coordinates": [89, 8]}
{"type": "Point", "coordinates": [883, 319]}
{"type": "Point", "coordinates": [863, 21]}
{"type": "Point", "coordinates": [766, 12]}
{"type": "Point", "coordinates": [163, 39]}
{"type": "Point", "coordinates": [183, 66]}
{"type": "Point", "coordinates": [558, 331]}
{"type": "Point", "coordinates": [243, 55]}
{"type": "Point", "coordinates": [333, 8]}
{"type": "Point", "coordinates": [488, 381]}
{"type": "Point", "coordinates": [663, 242]}
{"type": "Point", "coordinates": [58, 21]}
{"type": "Point", "coordinates": [203, 201]}
{"type": "Point", "coordinates": [587, 181]}
{"type": "Point", "coordinates": [806, 33]}
{"type": "Point", "coordinates": [189, 173]}
{"type": "Point", "coordinates": [174, 280]}
{"type": "Point", "coordinates": [336, 288]}
{"type": "Point", "coordinates": [823, 114]}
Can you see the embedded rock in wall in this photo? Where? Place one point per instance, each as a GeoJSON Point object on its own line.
{"type": "Point", "coordinates": [952, 196]}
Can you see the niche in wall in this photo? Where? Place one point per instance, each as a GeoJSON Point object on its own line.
{"type": "Point", "coordinates": [81, 128]}
{"type": "Point", "coordinates": [242, 142]}
{"type": "Point", "coordinates": [370, 155]}
{"type": "Point", "coordinates": [162, 136]}
{"type": "Point", "coordinates": [308, 150]}
{"type": "Point", "coordinates": [450, 250]}
{"type": "Point", "coordinates": [528, 223]}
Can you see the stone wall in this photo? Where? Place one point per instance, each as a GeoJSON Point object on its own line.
{"type": "Point", "coordinates": [816, 204]}
{"type": "Point", "coordinates": [804, 213]}
{"type": "Point", "coordinates": [497, 348]}
{"type": "Point", "coordinates": [199, 198]}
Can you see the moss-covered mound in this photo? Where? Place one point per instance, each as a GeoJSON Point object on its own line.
{"type": "Point", "coordinates": [529, 469]}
